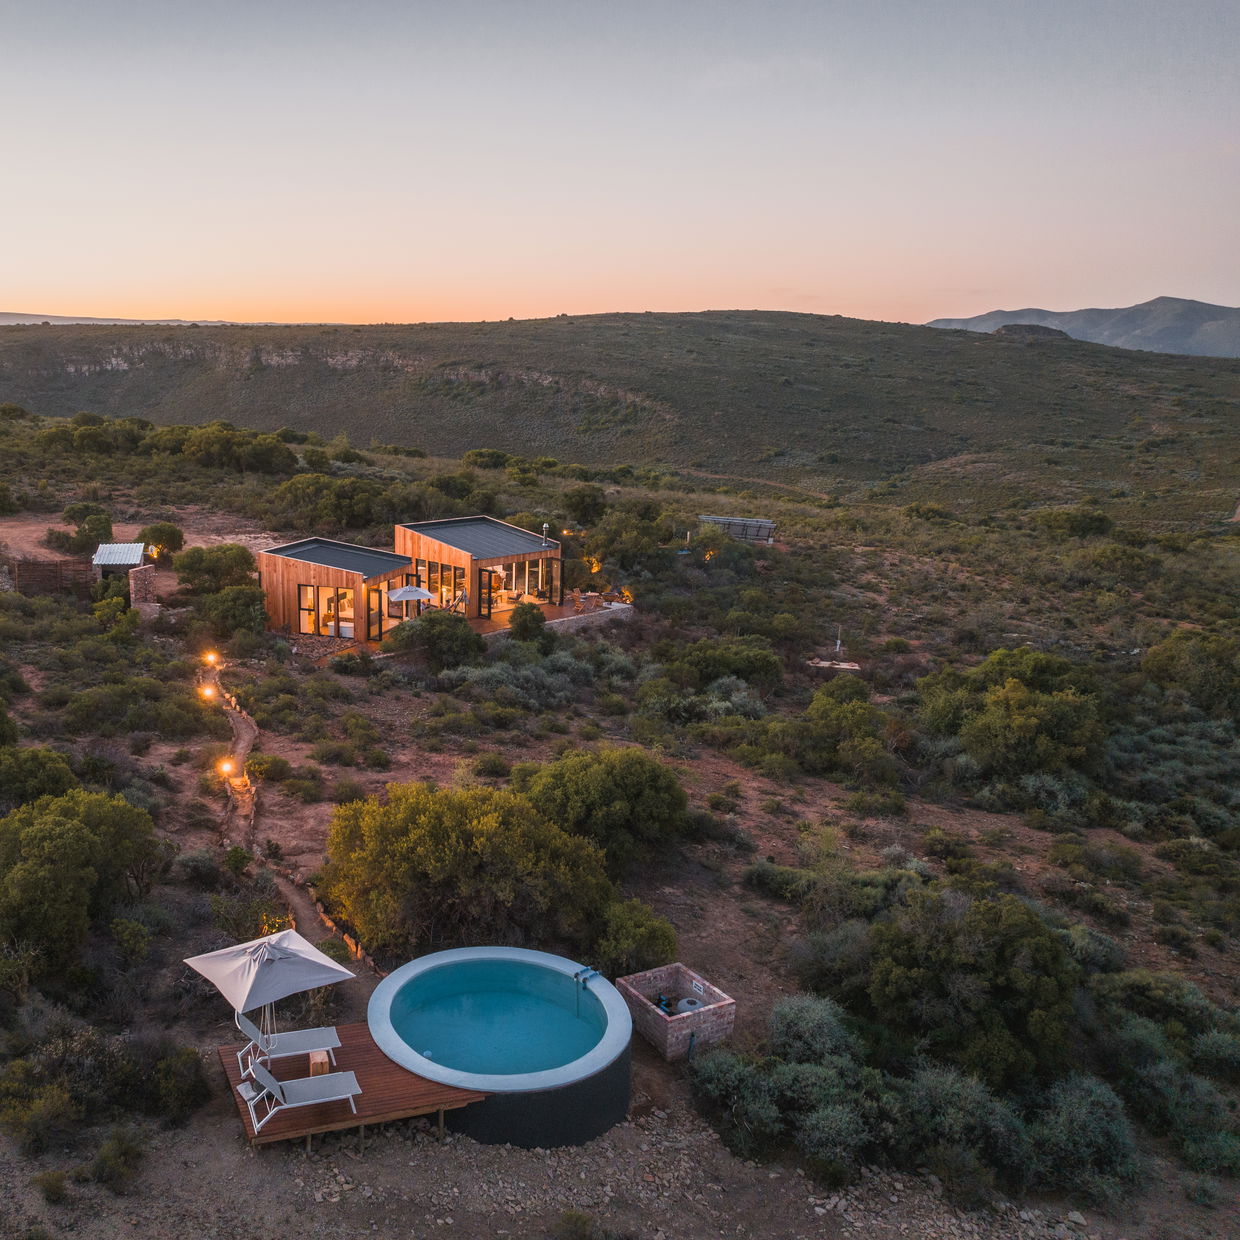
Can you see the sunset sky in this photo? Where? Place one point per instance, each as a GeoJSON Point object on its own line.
{"type": "Point", "coordinates": [404, 160]}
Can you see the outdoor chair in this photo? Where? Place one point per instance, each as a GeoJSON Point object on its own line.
{"type": "Point", "coordinates": [272, 1096]}
{"type": "Point", "coordinates": [281, 1045]}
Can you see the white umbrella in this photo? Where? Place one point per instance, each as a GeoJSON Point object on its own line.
{"type": "Point", "coordinates": [257, 973]}
{"type": "Point", "coordinates": [409, 594]}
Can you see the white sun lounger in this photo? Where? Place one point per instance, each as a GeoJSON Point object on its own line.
{"type": "Point", "coordinates": [267, 1047]}
{"type": "Point", "coordinates": [273, 1096]}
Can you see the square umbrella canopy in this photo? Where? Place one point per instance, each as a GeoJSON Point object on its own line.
{"type": "Point", "coordinates": [409, 594]}
{"type": "Point", "coordinates": [257, 973]}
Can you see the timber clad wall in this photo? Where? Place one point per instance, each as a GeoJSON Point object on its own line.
{"type": "Point", "coordinates": [280, 576]}
{"type": "Point", "coordinates": [418, 546]}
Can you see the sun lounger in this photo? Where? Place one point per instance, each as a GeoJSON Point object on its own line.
{"type": "Point", "coordinates": [267, 1047]}
{"type": "Point", "coordinates": [272, 1096]}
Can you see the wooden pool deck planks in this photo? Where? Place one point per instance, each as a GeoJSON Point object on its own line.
{"type": "Point", "coordinates": [389, 1092]}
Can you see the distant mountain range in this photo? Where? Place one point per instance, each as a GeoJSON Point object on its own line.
{"type": "Point", "coordinates": [14, 318]}
{"type": "Point", "coordinates": [1164, 325]}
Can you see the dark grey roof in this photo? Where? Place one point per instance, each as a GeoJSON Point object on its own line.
{"type": "Point", "coordinates": [346, 556]}
{"type": "Point", "coordinates": [484, 538]}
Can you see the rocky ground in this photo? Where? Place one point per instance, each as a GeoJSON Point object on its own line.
{"type": "Point", "coordinates": [662, 1176]}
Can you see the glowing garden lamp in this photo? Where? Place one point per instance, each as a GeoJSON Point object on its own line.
{"type": "Point", "coordinates": [226, 767]}
{"type": "Point", "coordinates": [207, 691]}
{"type": "Point", "coordinates": [211, 657]}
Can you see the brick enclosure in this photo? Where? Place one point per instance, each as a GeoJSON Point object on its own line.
{"type": "Point", "coordinates": [142, 584]}
{"type": "Point", "coordinates": [671, 1034]}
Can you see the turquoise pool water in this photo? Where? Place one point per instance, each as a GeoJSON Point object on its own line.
{"type": "Point", "coordinates": [497, 1016]}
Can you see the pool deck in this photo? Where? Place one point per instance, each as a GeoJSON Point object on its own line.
{"type": "Point", "coordinates": [389, 1092]}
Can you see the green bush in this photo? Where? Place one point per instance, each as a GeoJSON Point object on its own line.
{"type": "Point", "coordinates": [53, 1185]}
{"type": "Point", "coordinates": [1217, 1053]}
{"type": "Point", "coordinates": [442, 638]}
{"type": "Point", "coordinates": [208, 570]}
{"type": "Point", "coordinates": [65, 859]}
{"type": "Point", "coordinates": [268, 767]}
{"type": "Point", "coordinates": [809, 1030]}
{"type": "Point", "coordinates": [633, 938]}
{"type": "Point", "coordinates": [527, 622]}
{"type": "Point", "coordinates": [1081, 1141]}
{"type": "Point", "coordinates": [491, 766]}
{"type": "Point", "coordinates": [982, 983]}
{"type": "Point", "coordinates": [622, 799]}
{"type": "Point", "coordinates": [429, 867]}
{"type": "Point", "coordinates": [116, 1162]}
{"type": "Point", "coordinates": [234, 610]}
{"type": "Point", "coordinates": [181, 1085]}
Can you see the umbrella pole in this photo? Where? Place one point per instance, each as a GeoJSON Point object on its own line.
{"type": "Point", "coordinates": [268, 1027]}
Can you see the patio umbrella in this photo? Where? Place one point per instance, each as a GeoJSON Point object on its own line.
{"type": "Point", "coordinates": [409, 594]}
{"type": "Point", "coordinates": [257, 973]}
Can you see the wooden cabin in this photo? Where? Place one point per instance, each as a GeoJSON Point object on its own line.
{"type": "Point", "coordinates": [479, 565]}
{"type": "Point", "coordinates": [319, 587]}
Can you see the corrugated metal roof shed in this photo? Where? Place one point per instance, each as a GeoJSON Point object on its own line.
{"type": "Point", "coordinates": [119, 555]}
{"type": "Point", "coordinates": [350, 558]}
{"type": "Point", "coordinates": [484, 538]}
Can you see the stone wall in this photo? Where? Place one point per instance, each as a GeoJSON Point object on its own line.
{"type": "Point", "coordinates": [142, 585]}
{"type": "Point", "coordinates": [671, 1034]}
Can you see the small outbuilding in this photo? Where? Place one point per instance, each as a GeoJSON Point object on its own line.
{"type": "Point", "coordinates": [112, 559]}
{"type": "Point", "coordinates": [480, 565]}
{"type": "Point", "coordinates": [320, 587]}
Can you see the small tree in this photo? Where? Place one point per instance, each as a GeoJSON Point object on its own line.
{"type": "Point", "coordinates": [622, 799]}
{"type": "Point", "coordinates": [236, 609]}
{"type": "Point", "coordinates": [585, 504]}
{"type": "Point", "coordinates": [527, 622]}
{"type": "Point", "coordinates": [207, 570]}
{"type": "Point", "coordinates": [163, 538]}
{"type": "Point", "coordinates": [452, 866]}
{"type": "Point", "coordinates": [442, 638]}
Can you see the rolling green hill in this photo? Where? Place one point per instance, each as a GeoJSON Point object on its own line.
{"type": "Point", "coordinates": [826, 403]}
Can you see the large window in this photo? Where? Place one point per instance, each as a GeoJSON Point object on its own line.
{"type": "Point", "coordinates": [306, 622]}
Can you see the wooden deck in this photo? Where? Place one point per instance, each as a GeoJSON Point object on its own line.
{"type": "Point", "coordinates": [389, 1092]}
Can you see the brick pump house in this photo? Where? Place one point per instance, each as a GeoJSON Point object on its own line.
{"type": "Point", "coordinates": [479, 567]}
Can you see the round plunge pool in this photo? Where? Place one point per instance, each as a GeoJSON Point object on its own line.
{"type": "Point", "coordinates": [544, 1037]}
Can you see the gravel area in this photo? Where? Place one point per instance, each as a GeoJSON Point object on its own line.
{"type": "Point", "coordinates": [663, 1176]}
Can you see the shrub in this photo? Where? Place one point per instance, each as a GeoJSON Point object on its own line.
{"type": "Point", "coordinates": [115, 1164]}
{"type": "Point", "coordinates": [809, 1030]}
{"type": "Point", "coordinates": [491, 766]}
{"type": "Point", "coordinates": [208, 570]}
{"type": "Point", "coordinates": [442, 638]}
{"type": "Point", "coordinates": [527, 622]}
{"type": "Point", "coordinates": [133, 940]}
{"type": "Point", "coordinates": [35, 1116]}
{"type": "Point", "coordinates": [1217, 1053]}
{"type": "Point", "coordinates": [201, 869]}
{"type": "Point", "coordinates": [622, 799]}
{"type": "Point", "coordinates": [234, 610]}
{"type": "Point", "coordinates": [64, 859]}
{"type": "Point", "coordinates": [982, 982]}
{"type": "Point", "coordinates": [944, 1108]}
{"type": "Point", "coordinates": [633, 938]}
{"type": "Point", "coordinates": [268, 767]}
{"type": "Point", "coordinates": [1081, 1141]}
{"type": "Point", "coordinates": [345, 791]}
{"type": "Point", "coordinates": [54, 1185]}
{"type": "Point", "coordinates": [459, 865]}
{"type": "Point", "coordinates": [162, 538]}
{"type": "Point", "coordinates": [181, 1085]}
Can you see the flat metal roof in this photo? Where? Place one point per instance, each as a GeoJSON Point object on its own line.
{"type": "Point", "coordinates": [485, 538]}
{"type": "Point", "coordinates": [368, 561]}
{"type": "Point", "coordinates": [111, 555]}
